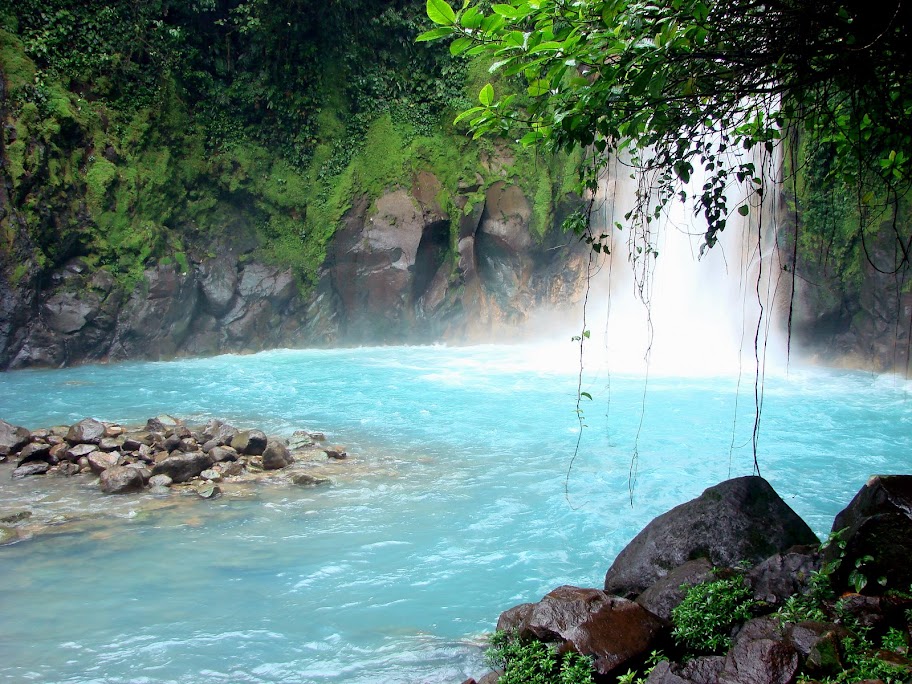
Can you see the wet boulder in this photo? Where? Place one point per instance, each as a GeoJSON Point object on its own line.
{"type": "Point", "coordinates": [276, 456]}
{"type": "Point", "coordinates": [12, 437]}
{"type": "Point", "coordinates": [100, 461]}
{"type": "Point", "coordinates": [33, 468]}
{"type": "Point", "coordinates": [305, 480]}
{"type": "Point", "coordinates": [738, 520]}
{"type": "Point", "coordinates": [249, 442]}
{"type": "Point", "coordinates": [221, 454]}
{"type": "Point", "coordinates": [784, 574]}
{"type": "Point", "coordinates": [616, 632]}
{"type": "Point", "coordinates": [703, 670]}
{"type": "Point", "coordinates": [35, 451]}
{"type": "Point", "coordinates": [760, 656]}
{"type": "Point", "coordinates": [181, 467]}
{"type": "Point", "coordinates": [667, 593]}
{"type": "Point", "coordinates": [121, 480]}
{"type": "Point", "coordinates": [877, 524]}
{"type": "Point", "coordinates": [77, 451]}
{"type": "Point", "coordinates": [86, 431]}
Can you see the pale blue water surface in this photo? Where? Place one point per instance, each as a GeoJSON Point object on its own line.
{"type": "Point", "coordinates": [392, 574]}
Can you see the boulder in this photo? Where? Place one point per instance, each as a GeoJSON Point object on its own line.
{"type": "Point", "coordinates": [250, 442]}
{"type": "Point", "coordinates": [221, 433]}
{"type": "Point", "coordinates": [783, 574]}
{"type": "Point", "coordinates": [220, 454]}
{"type": "Point", "coordinates": [33, 468]}
{"type": "Point", "coordinates": [181, 467]}
{"type": "Point", "coordinates": [86, 431]}
{"type": "Point", "coordinates": [211, 475]}
{"type": "Point", "coordinates": [877, 523]}
{"type": "Point", "coordinates": [67, 469]}
{"type": "Point", "coordinates": [614, 631]}
{"type": "Point", "coordinates": [100, 461]}
{"type": "Point", "coordinates": [13, 437]}
{"type": "Point", "coordinates": [121, 480]}
{"type": "Point", "coordinates": [665, 595]}
{"type": "Point", "coordinates": [337, 453]}
{"type": "Point", "coordinates": [738, 520]}
{"type": "Point", "coordinates": [160, 481]}
{"type": "Point", "coordinates": [276, 456]}
{"type": "Point", "coordinates": [77, 451]}
{"type": "Point", "coordinates": [109, 444]}
{"type": "Point", "coordinates": [760, 661]}
{"type": "Point", "coordinates": [703, 670]}
{"type": "Point", "coordinates": [35, 451]}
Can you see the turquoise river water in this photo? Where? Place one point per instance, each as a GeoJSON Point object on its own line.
{"type": "Point", "coordinates": [455, 508]}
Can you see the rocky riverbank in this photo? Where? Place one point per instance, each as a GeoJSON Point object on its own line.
{"type": "Point", "coordinates": [733, 588]}
{"type": "Point", "coordinates": [163, 458]}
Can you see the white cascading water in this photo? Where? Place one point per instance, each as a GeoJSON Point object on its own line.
{"type": "Point", "coordinates": [679, 313]}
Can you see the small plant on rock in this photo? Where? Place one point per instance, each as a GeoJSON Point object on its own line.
{"type": "Point", "coordinates": [704, 619]}
{"type": "Point", "coordinates": [534, 662]}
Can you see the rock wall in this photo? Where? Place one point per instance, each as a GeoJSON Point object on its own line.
{"type": "Point", "coordinates": [859, 322]}
{"type": "Point", "coordinates": [399, 269]}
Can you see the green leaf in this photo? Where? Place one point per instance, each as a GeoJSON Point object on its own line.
{"type": "Point", "coordinates": [467, 113]}
{"type": "Point", "coordinates": [538, 87]}
{"type": "Point", "coordinates": [460, 45]}
{"type": "Point", "coordinates": [744, 210]}
{"type": "Point", "coordinates": [471, 18]}
{"type": "Point", "coordinates": [486, 96]}
{"type": "Point", "coordinates": [440, 12]}
{"type": "Point", "coordinates": [434, 34]}
{"type": "Point", "coordinates": [586, 395]}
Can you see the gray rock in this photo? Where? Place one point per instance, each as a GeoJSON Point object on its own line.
{"type": "Point", "coordinates": [109, 444]}
{"type": "Point", "coordinates": [209, 491]}
{"type": "Point", "coordinates": [276, 456]}
{"type": "Point", "coordinates": [783, 574]}
{"type": "Point", "coordinates": [182, 467]}
{"type": "Point", "coordinates": [160, 481]}
{"type": "Point", "coordinates": [337, 453]}
{"type": "Point", "coordinates": [33, 468]}
{"type": "Point", "coordinates": [665, 595]}
{"type": "Point", "coordinates": [67, 469]}
{"type": "Point", "coordinates": [86, 431]}
{"type": "Point", "coordinates": [220, 432]}
{"type": "Point", "coordinates": [210, 474]}
{"type": "Point", "coordinates": [218, 284]}
{"type": "Point", "coordinates": [100, 461]}
{"type": "Point", "coordinates": [249, 442]}
{"type": "Point", "coordinates": [13, 437]}
{"type": "Point", "coordinates": [78, 451]}
{"type": "Point", "coordinates": [34, 451]}
{"type": "Point", "coordinates": [697, 671]}
{"type": "Point", "coordinates": [121, 480]}
{"type": "Point", "coordinates": [306, 480]}
{"type": "Point", "coordinates": [13, 518]}
{"type": "Point", "coordinates": [221, 454]}
{"type": "Point", "coordinates": [737, 520]}
{"type": "Point", "coordinates": [230, 468]}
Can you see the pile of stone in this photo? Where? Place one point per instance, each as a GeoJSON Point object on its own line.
{"type": "Point", "coordinates": [738, 523]}
{"type": "Point", "coordinates": [165, 452]}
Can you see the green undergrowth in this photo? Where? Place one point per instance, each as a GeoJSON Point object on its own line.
{"type": "Point", "coordinates": [122, 163]}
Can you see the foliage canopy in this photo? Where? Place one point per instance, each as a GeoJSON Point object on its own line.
{"type": "Point", "coordinates": [698, 83]}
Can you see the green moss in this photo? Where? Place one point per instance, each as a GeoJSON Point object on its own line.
{"type": "Point", "coordinates": [99, 177]}
{"type": "Point", "coordinates": [18, 69]}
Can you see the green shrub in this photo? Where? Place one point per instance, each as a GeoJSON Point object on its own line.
{"type": "Point", "coordinates": [704, 618]}
{"type": "Point", "coordinates": [534, 662]}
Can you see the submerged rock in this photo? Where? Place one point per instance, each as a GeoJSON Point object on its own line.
{"type": "Point", "coordinates": [305, 480]}
{"type": "Point", "coordinates": [738, 520]}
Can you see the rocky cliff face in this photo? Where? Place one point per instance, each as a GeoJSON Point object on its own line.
{"type": "Point", "coordinates": [400, 269]}
{"type": "Point", "coordinates": [860, 322]}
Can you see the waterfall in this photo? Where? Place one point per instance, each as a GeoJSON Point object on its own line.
{"type": "Point", "coordinates": [679, 312]}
